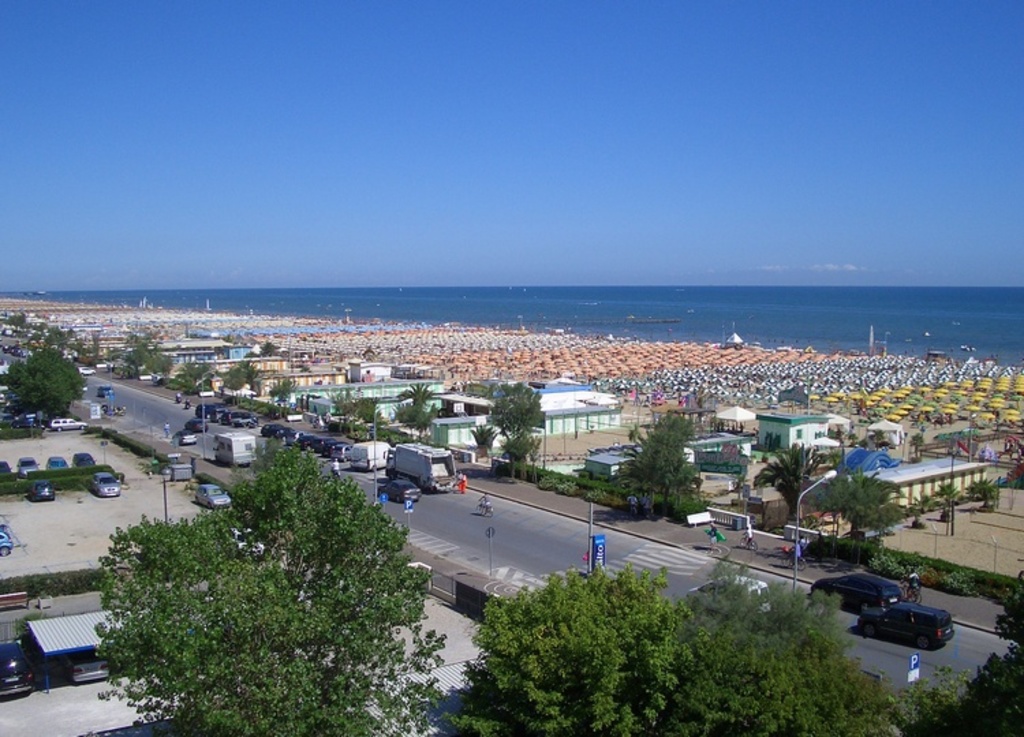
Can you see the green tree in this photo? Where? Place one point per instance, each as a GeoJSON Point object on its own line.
{"type": "Point", "coordinates": [484, 437]}
{"type": "Point", "coordinates": [268, 348]}
{"type": "Point", "coordinates": [660, 465]}
{"type": "Point", "coordinates": [46, 382]}
{"type": "Point", "coordinates": [866, 502]}
{"type": "Point", "coordinates": [986, 492]}
{"type": "Point", "coordinates": [949, 494]}
{"type": "Point", "coordinates": [420, 395]}
{"type": "Point", "coordinates": [232, 640]}
{"type": "Point", "coordinates": [787, 471]}
{"type": "Point", "coordinates": [192, 377]}
{"type": "Point", "coordinates": [283, 390]}
{"type": "Point", "coordinates": [917, 444]}
{"type": "Point", "coordinates": [516, 413]}
{"type": "Point", "coordinates": [139, 355]}
{"type": "Point", "coordinates": [580, 656]}
{"type": "Point", "coordinates": [417, 416]}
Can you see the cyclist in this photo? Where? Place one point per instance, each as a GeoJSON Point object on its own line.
{"type": "Point", "coordinates": [485, 504]}
{"type": "Point", "coordinates": [912, 584]}
{"type": "Point", "coordinates": [336, 468]}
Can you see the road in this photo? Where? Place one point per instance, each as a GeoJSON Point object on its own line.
{"type": "Point", "coordinates": [529, 544]}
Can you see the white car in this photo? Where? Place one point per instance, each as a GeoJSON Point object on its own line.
{"type": "Point", "coordinates": [86, 370]}
{"type": "Point", "coordinates": [184, 437]}
{"type": "Point", "coordinates": [59, 424]}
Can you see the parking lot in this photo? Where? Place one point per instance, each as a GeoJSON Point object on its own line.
{"type": "Point", "coordinates": [74, 531]}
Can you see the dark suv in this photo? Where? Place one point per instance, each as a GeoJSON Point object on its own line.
{"type": "Point", "coordinates": [859, 590]}
{"type": "Point", "coordinates": [16, 674]}
{"type": "Point", "coordinates": [925, 626]}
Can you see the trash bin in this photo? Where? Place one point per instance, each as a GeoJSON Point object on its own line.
{"type": "Point", "coordinates": [739, 523]}
{"type": "Point", "coordinates": [181, 471]}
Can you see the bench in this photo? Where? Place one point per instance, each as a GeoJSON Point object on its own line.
{"type": "Point", "coordinates": [17, 600]}
{"type": "Point", "coordinates": [701, 518]}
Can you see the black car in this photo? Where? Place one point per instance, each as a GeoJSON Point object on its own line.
{"type": "Point", "coordinates": [81, 460]}
{"type": "Point", "coordinates": [243, 418]}
{"type": "Point", "coordinates": [272, 430]}
{"type": "Point", "coordinates": [41, 491]}
{"type": "Point", "coordinates": [401, 490]}
{"type": "Point", "coordinates": [24, 422]}
{"type": "Point", "coordinates": [309, 442]}
{"type": "Point", "coordinates": [209, 411]}
{"type": "Point", "coordinates": [925, 626]}
{"type": "Point", "coordinates": [5, 467]}
{"type": "Point", "coordinates": [328, 446]}
{"type": "Point", "coordinates": [859, 590]}
{"type": "Point", "coordinates": [16, 674]}
{"type": "Point", "coordinates": [196, 425]}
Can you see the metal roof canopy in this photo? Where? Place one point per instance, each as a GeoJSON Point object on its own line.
{"type": "Point", "coordinates": [69, 634]}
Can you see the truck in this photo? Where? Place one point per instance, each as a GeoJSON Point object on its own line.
{"type": "Point", "coordinates": [369, 456]}
{"type": "Point", "coordinates": [234, 448]}
{"type": "Point", "coordinates": [431, 469]}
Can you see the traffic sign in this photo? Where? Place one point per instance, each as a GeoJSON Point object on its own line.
{"type": "Point", "coordinates": [597, 552]}
{"type": "Point", "coordinates": [490, 532]}
{"type": "Point", "coordinates": [914, 672]}
{"type": "Point", "coordinates": [383, 498]}
{"type": "Point", "coordinates": [408, 506]}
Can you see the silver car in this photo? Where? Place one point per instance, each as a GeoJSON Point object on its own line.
{"type": "Point", "coordinates": [27, 466]}
{"type": "Point", "coordinates": [212, 496]}
{"type": "Point", "coordinates": [105, 484]}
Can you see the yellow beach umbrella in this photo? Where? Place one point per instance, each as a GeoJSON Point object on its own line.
{"type": "Point", "coordinates": [926, 408]}
{"type": "Point", "coordinates": [972, 408]}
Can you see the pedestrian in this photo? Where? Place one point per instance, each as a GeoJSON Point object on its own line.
{"type": "Point", "coordinates": [632, 500]}
{"type": "Point", "coordinates": [462, 483]}
{"type": "Point", "coordinates": [167, 429]}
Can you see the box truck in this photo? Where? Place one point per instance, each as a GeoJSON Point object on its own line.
{"type": "Point", "coordinates": [234, 448]}
{"type": "Point", "coordinates": [431, 469]}
{"type": "Point", "coordinates": [368, 456]}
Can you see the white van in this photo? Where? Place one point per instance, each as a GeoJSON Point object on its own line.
{"type": "Point", "coordinates": [369, 456]}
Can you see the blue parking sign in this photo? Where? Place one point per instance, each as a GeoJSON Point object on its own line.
{"type": "Point", "coordinates": [408, 506]}
{"type": "Point", "coordinates": [383, 498]}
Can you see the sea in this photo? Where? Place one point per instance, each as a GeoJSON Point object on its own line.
{"type": "Point", "coordinates": [964, 322]}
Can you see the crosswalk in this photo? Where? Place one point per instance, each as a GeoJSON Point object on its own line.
{"type": "Point", "coordinates": [431, 544]}
{"type": "Point", "coordinates": [654, 556]}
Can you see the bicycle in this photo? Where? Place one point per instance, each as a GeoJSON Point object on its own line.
{"type": "Point", "coordinates": [909, 592]}
{"type": "Point", "coordinates": [748, 542]}
{"type": "Point", "coordinates": [485, 510]}
{"type": "Point", "coordinates": [789, 553]}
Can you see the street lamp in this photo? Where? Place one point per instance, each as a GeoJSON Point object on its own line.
{"type": "Point", "coordinates": [829, 475]}
{"type": "Point", "coordinates": [165, 474]}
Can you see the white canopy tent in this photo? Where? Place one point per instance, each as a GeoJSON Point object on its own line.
{"type": "Point", "coordinates": [894, 430]}
{"type": "Point", "coordinates": [825, 442]}
{"type": "Point", "coordinates": [736, 414]}
{"type": "Point", "coordinates": [839, 421]}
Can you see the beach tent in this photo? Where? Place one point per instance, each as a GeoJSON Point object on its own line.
{"type": "Point", "coordinates": [894, 430]}
{"type": "Point", "coordinates": [736, 414]}
{"type": "Point", "coordinates": [838, 421]}
{"type": "Point", "coordinates": [734, 340]}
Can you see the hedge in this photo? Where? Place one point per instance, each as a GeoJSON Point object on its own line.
{"type": "Point", "coordinates": [935, 573]}
{"type": "Point", "coordinates": [63, 583]}
{"type": "Point", "coordinates": [65, 479]}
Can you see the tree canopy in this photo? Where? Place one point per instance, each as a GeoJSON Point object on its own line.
{"type": "Point", "coordinates": [46, 381]}
{"type": "Point", "coordinates": [296, 626]}
{"type": "Point", "coordinates": [611, 655]}
{"type": "Point", "coordinates": [517, 413]}
{"type": "Point", "coordinates": [661, 465]}
{"type": "Point", "coordinates": [787, 471]}
{"type": "Point", "coordinates": [866, 502]}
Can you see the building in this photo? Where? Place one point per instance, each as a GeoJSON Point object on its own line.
{"type": "Point", "coordinates": [780, 432]}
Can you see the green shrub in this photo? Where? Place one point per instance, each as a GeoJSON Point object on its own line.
{"type": "Point", "coordinates": [62, 583]}
{"type": "Point", "coordinates": [960, 582]}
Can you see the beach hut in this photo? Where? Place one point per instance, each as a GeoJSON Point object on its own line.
{"type": "Point", "coordinates": [736, 414]}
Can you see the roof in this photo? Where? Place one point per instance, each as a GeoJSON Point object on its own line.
{"type": "Point", "coordinates": [908, 473]}
{"type": "Point", "coordinates": [792, 419]}
{"type": "Point", "coordinates": [67, 634]}
{"type": "Point", "coordinates": [607, 459]}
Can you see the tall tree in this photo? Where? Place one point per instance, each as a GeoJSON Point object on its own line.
{"type": "Point", "coordinates": [46, 381]}
{"type": "Point", "coordinates": [283, 390]}
{"type": "Point", "coordinates": [140, 352]}
{"type": "Point", "coordinates": [297, 627]}
{"type": "Point", "coordinates": [660, 465]}
{"type": "Point", "coordinates": [268, 348]}
{"type": "Point", "coordinates": [788, 470]}
{"type": "Point", "coordinates": [419, 395]}
{"type": "Point", "coordinates": [193, 377]}
{"type": "Point", "coordinates": [866, 502]}
{"type": "Point", "coordinates": [484, 436]}
{"type": "Point", "coordinates": [516, 413]}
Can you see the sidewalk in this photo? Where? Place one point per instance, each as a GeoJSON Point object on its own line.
{"type": "Point", "coordinates": [971, 612]}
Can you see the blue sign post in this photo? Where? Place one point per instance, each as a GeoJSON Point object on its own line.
{"type": "Point", "coordinates": [914, 672]}
{"type": "Point", "coordinates": [383, 499]}
{"type": "Point", "coordinates": [597, 552]}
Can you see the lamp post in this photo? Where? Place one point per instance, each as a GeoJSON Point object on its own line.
{"type": "Point", "coordinates": [165, 474]}
{"type": "Point", "coordinates": [796, 542]}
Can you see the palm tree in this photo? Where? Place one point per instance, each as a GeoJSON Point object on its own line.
{"type": "Point", "coordinates": [268, 349]}
{"type": "Point", "coordinates": [917, 443]}
{"type": "Point", "coordinates": [418, 394]}
{"type": "Point", "coordinates": [484, 435]}
{"type": "Point", "coordinates": [950, 494]}
{"type": "Point", "coordinates": [867, 502]}
{"type": "Point", "coordinates": [787, 470]}
{"type": "Point", "coordinates": [986, 492]}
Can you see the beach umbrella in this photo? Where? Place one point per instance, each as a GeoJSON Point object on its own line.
{"type": "Point", "coordinates": [987, 416]}
{"type": "Point", "coordinates": [972, 408]}
{"type": "Point", "coordinates": [926, 408]}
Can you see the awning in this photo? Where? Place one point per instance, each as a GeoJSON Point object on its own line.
{"type": "Point", "coordinates": [67, 634]}
{"type": "Point", "coordinates": [736, 414]}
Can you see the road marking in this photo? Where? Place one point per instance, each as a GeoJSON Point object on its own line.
{"type": "Point", "coordinates": [431, 544]}
{"type": "Point", "coordinates": [509, 578]}
{"type": "Point", "coordinates": [654, 556]}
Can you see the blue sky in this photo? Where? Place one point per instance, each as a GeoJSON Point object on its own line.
{"type": "Point", "coordinates": [223, 144]}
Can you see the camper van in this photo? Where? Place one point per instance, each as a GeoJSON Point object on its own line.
{"type": "Point", "coordinates": [234, 448]}
{"type": "Point", "coordinates": [368, 456]}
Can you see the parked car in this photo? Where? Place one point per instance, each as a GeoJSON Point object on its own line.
{"type": "Point", "coordinates": [16, 674]}
{"type": "Point", "coordinates": [59, 424]}
{"type": "Point", "coordinates": [401, 490]}
{"type": "Point", "coordinates": [85, 666]}
{"type": "Point", "coordinates": [244, 419]}
{"type": "Point", "coordinates": [197, 425]}
{"type": "Point", "coordinates": [212, 496]}
{"type": "Point", "coordinates": [86, 370]}
{"type": "Point", "coordinates": [105, 484]}
{"type": "Point", "coordinates": [24, 422]}
{"type": "Point", "coordinates": [184, 437]}
{"type": "Point", "coordinates": [289, 436]}
{"type": "Point", "coordinates": [925, 626]}
{"type": "Point", "coordinates": [55, 463]}
{"type": "Point", "coordinates": [209, 411]}
{"type": "Point", "coordinates": [341, 451]}
{"type": "Point", "coordinates": [82, 460]}
{"type": "Point", "coordinates": [41, 491]}
{"type": "Point", "coordinates": [271, 430]}
{"type": "Point", "coordinates": [859, 590]}
{"type": "Point", "coordinates": [26, 466]}
{"type": "Point", "coordinates": [6, 541]}
{"type": "Point", "coordinates": [5, 467]}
